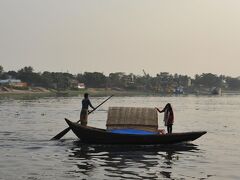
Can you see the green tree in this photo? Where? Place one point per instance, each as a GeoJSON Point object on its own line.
{"type": "Point", "coordinates": [62, 80]}
{"type": "Point", "coordinates": [233, 83]}
{"type": "Point", "coordinates": [94, 79]}
{"type": "Point", "coordinates": [26, 74]}
{"type": "Point", "coordinates": [182, 80]}
{"type": "Point", "coordinates": [1, 70]}
{"type": "Point", "coordinates": [116, 79]}
{"type": "Point", "coordinates": [80, 78]}
{"type": "Point", "coordinates": [47, 79]}
{"type": "Point", "coordinates": [208, 80]}
{"type": "Point", "coordinates": [165, 81]}
{"type": "Point", "coordinates": [12, 74]}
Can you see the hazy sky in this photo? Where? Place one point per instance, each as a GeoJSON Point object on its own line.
{"type": "Point", "coordinates": [178, 36]}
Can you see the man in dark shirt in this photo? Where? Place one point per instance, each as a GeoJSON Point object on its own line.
{"type": "Point", "coordinates": [84, 112]}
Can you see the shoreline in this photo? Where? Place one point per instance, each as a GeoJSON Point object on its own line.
{"type": "Point", "coordinates": [53, 93]}
{"type": "Point", "coordinates": [94, 92]}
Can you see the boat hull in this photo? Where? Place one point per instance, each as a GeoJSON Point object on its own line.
{"type": "Point", "coordinates": [92, 135]}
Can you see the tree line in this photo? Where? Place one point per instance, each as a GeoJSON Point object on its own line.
{"type": "Point", "coordinates": [162, 82]}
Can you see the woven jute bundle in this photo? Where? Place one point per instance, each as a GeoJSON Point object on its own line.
{"type": "Point", "coordinates": [132, 117]}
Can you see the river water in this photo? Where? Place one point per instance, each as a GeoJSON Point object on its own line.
{"type": "Point", "coordinates": [27, 153]}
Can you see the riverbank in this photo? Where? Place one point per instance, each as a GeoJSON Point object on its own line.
{"type": "Point", "coordinates": [37, 93]}
{"type": "Point", "coordinates": [42, 92]}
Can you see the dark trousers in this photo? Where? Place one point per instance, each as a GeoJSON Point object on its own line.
{"type": "Point", "coordinates": [169, 128]}
{"type": "Point", "coordinates": [84, 117]}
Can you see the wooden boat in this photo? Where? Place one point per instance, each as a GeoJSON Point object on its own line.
{"type": "Point", "coordinates": [93, 135]}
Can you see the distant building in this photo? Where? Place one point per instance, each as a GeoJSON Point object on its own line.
{"type": "Point", "coordinates": [9, 81]}
{"type": "Point", "coordinates": [179, 90]}
{"type": "Point", "coordinates": [20, 84]}
{"type": "Point", "coordinates": [81, 86]}
{"type": "Point", "coordinates": [76, 85]}
{"type": "Point", "coordinates": [13, 82]}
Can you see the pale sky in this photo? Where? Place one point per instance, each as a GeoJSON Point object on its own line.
{"type": "Point", "coordinates": [177, 36]}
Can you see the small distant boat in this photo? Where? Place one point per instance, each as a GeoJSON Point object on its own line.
{"type": "Point", "coordinates": [91, 135]}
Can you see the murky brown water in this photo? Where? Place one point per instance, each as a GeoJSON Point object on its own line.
{"type": "Point", "coordinates": [27, 153]}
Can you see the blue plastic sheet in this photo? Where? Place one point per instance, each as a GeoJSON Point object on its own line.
{"type": "Point", "coordinates": [131, 131]}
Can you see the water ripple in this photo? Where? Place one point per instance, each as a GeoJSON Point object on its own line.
{"type": "Point", "coordinates": [27, 153]}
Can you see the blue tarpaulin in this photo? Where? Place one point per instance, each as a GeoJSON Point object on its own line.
{"type": "Point", "coordinates": [131, 131]}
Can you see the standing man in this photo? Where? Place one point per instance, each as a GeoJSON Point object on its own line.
{"type": "Point", "coordinates": [84, 112]}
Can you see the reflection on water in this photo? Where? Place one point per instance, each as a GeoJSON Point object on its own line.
{"type": "Point", "coordinates": [27, 153]}
{"type": "Point", "coordinates": [128, 162]}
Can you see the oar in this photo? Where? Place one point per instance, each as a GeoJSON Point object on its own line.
{"type": "Point", "coordinates": [65, 131]}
